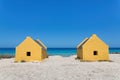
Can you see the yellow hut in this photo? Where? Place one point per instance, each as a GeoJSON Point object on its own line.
{"type": "Point", "coordinates": [30, 50]}
{"type": "Point", "coordinates": [93, 48]}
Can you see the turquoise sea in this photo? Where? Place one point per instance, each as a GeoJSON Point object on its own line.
{"type": "Point", "coordinates": [55, 51]}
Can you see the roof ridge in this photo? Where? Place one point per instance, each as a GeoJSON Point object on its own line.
{"type": "Point", "coordinates": [83, 42]}
{"type": "Point", "coordinates": [40, 43]}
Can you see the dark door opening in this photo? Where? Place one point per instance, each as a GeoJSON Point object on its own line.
{"type": "Point", "coordinates": [95, 53]}
{"type": "Point", "coordinates": [28, 54]}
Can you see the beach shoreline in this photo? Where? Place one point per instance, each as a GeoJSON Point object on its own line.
{"type": "Point", "coordinates": [60, 68]}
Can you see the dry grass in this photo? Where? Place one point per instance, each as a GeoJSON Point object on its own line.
{"type": "Point", "coordinates": [6, 56]}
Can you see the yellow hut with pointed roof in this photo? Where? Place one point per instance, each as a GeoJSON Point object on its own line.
{"type": "Point", "coordinates": [93, 49]}
{"type": "Point", "coordinates": [30, 50]}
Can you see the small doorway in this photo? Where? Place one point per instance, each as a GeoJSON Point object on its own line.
{"type": "Point", "coordinates": [95, 53]}
{"type": "Point", "coordinates": [28, 53]}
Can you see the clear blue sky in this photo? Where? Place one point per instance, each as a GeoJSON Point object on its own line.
{"type": "Point", "coordinates": [59, 23]}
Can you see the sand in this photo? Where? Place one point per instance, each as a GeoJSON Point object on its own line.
{"type": "Point", "coordinates": [61, 68]}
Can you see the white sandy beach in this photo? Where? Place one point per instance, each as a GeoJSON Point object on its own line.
{"type": "Point", "coordinates": [61, 68]}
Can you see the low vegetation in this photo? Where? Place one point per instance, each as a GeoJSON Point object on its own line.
{"type": "Point", "coordinates": [6, 56]}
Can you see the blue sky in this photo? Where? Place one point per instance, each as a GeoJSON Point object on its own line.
{"type": "Point", "coordinates": [59, 23]}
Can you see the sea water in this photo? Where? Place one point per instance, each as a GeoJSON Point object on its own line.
{"type": "Point", "coordinates": [65, 52]}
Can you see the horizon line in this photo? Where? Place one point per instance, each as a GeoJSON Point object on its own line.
{"type": "Point", "coordinates": [54, 47]}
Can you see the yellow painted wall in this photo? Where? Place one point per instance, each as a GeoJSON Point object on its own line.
{"type": "Point", "coordinates": [79, 53]}
{"type": "Point", "coordinates": [31, 46]}
{"type": "Point", "coordinates": [95, 44]}
{"type": "Point", "coordinates": [44, 54]}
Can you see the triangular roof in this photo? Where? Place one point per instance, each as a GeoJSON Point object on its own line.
{"type": "Point", "coordinates": [40, 43]}
{"type": "Point", "coordinates": [82, 43]}
{"type": "Point", "coordinates": [85, 40]}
